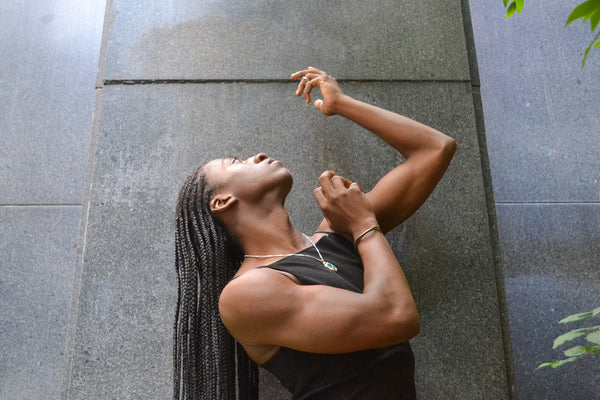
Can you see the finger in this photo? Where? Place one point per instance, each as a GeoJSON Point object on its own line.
{"type": "Point", "coordinates": [339, 182]}
{"type": "Point", "coordinates": [320, 197]}
{"type": "Point", "coordinates": [300, 74]}
{"type": "Point", "coordinates": [308, 77]}
{"type": "Point", "coordinates": [325, 181]}
{"type": "Point", "coordinates": [308, 88]}
{"type": "Point", "coordinates": [347, 182]}
{"type": "Point", "coordinates": [355, 185]}
{"type": "Point", "coordinates": [316, 70]}
{"type": "Point", "coordinates": [301, 86]}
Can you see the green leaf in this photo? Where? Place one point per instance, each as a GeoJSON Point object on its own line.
{"type": "Point", "coordinates": [557, 364]}
{"type": "Point", "coordinates": [511, 10]}
{"type": "Point", "coordinates": [593, 337]}
{"type": "Point", "coordinates": [597, 45]}
{"type": "Point", "coordinates": [576, 351]}
{"type": "Point", "coordinates": [519, 4]}
{"type": "Point", "coordinates": [583, 315]}
{"type": "Point", "coordinates": [548, 364]}
{"type": "Point", "coordinates": [575, 317]}
{"type": "Point", "coordinates": [563, 362]}
{"type": "Point", "coordinates": [595, 18]}
{"type": "Point", "coordinates": [565, 337]}
{"type": "Point", "coordinates": [505, 2]}
{"type": "Point", "coordinates": [583, 10]}
{"type": "Point", "coordinates": [588, 49]}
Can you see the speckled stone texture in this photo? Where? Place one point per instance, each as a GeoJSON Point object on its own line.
{"type": "Point", "coordinates": [250, 39]}
{"type": "Point", "coordinates": [48, 63]}
{"type": "Point", "coordinates": [541, 115]}
{"type": "Point", "coordinates": [37, 255]}
{"type": "Point", "coordinates": [551, 254]}
{"type": "Point", "coordinates": [541, 108]}
{"type": "Point", "coordinates": [152, 136]}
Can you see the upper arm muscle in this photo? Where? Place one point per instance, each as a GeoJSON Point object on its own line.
{"type": "Point", "coordinates": [265, 308]}
{"type": "Point", "coordinates": [404, 189]}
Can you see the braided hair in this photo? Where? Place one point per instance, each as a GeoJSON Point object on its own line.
{"type": "Point", "coordinates": [206, 358]}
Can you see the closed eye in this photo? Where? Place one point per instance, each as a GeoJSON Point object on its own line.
{"type": "Point", "coordinates": [233, 159]}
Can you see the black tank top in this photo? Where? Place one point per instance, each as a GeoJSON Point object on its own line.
{"type": "Point", "coordinates": [378, 374]}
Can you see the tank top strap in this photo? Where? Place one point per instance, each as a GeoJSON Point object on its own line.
{"type": "Point", "coordinates": [336, 234]}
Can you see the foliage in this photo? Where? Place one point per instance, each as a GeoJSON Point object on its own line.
{"type": "Point", "coordinates": [592, 335]}
{"type": "Point", "coordinates": [588, 11]}
{"type": "Point", "coordinates": [515, 5]}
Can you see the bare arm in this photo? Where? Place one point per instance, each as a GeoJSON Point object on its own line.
{"type": "Point", "coordinates": [263, 307]}
{"type": "Point", "coordinates": [428, 152]}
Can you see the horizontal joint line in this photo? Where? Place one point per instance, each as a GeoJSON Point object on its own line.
{"type": "Point", "coordinates": [40, 205]}
{"type": "Point", "coordinates": [545, 202]}
{"type": "Point", "coordinates": [179, 81]}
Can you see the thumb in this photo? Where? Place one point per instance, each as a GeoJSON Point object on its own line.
{"type": "Point", "coordinates": [318, 104]}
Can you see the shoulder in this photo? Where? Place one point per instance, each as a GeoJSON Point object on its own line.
{"type": "Point", "coordinates": [257, 295]}
{"type": "Point", "coordinates": [252, 284]}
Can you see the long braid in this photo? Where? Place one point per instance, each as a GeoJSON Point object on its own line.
{"type": "Point", "coordinates": [206, 359]}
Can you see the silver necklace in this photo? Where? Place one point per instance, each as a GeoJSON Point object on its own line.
{"type": "Point", "coordinates": [326, 264]}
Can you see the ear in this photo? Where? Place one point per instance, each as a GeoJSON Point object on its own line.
{"type": "Point", "coordinates": [222, 202]}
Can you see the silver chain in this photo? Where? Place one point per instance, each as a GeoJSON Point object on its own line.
{"type": "Point", "coordinates": [326, 264]}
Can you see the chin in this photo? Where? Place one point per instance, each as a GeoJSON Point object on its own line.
{"type": "Point", "coordinates": [287, 181]}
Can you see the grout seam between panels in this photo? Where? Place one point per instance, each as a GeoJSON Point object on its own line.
{"type": "Point", "coordinates": [40, 205]}
{"type": "Point", "coordinates": [509, 203]}
{"type": "Point", "coordinates": [78, 273]}
{"type": "Point", "coordinates": [509, 370]}
{"type": "Point", "coordinates": [108, 82]}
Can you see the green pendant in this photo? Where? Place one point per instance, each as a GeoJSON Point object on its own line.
{"type": "Point", "coordinates": [330, 266]}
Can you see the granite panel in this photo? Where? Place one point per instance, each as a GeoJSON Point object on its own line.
{"type": "Point", "coordinates": [550, 254]}
{"type": "Point", "coordinates": [541, 108]}
{"type": "Point", "coordinates": [37, 257]}
{"type": "Point", "coordinates": [152, 136]}
{"type": "Point", "coordinates": [48, 59]}
{"type": "Point", "coordinates": [266, 39]}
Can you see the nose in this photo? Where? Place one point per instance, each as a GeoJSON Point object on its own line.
{"type": "Point", "coordinates": [258, 158]}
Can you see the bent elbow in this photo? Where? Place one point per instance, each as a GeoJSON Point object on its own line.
{"type": "Point", "coordinates": [443, 153]}
{"type": "Point", "coordinates": [409, 327]}
{"type": "Point", "coordinates": [406, 325]}
{"type": "Point", "coordinates": [449, 148]}
{"type": "Point", "coordinates": [414, 326]}
{"type": "Point", "coordinates": [452, 145]}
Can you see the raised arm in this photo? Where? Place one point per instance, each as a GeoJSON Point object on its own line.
{"type": "Point", "coordinates": [427, 151]}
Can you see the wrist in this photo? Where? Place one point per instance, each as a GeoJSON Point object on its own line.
{"type": "Point", "coordinates": [340, 104]}
{"type": "Point", "coordinates": [366, 233]}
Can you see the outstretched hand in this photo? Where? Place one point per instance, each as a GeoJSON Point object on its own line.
{"type": "Point", "coordinates": [313, 77]}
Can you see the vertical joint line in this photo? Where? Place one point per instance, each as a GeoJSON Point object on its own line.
{"type": "Point", "coordinates": [490, 203]}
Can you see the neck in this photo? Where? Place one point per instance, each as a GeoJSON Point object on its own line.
{"type": "Point", "coordinates": [270, 233]}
